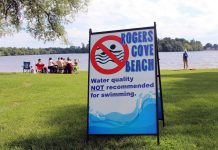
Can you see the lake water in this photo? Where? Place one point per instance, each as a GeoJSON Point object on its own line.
{"type": "Point", "coordinates": [168, 60]}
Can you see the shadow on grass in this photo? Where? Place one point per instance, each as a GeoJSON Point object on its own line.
{"type": "Point", "coordinates": [194, 98]}
{"type": "Point", "coordinates": [69, 125]}
{"type": "Point", "coordinates": [193, 116]}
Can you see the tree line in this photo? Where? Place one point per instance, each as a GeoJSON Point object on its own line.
{"type": "Point", "coordinates": [164, 45]}
{"type": "Point", "coordinates": [13, 51]}
{"type": "Point", "coordinates": [180, 44]}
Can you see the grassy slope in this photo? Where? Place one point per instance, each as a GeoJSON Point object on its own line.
{"type": "Point", "coordinates": [49, 112]}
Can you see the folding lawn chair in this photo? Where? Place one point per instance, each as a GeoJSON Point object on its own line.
{"type": "Point", "coordinates": [26, 66]}
{"type": "Point", "coordinates": [40, 68]}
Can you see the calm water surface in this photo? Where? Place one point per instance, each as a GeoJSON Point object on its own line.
{"type": "Point", "coordinates": [168, 60]}
{"type": "Point", "coordinates": [196, 60]}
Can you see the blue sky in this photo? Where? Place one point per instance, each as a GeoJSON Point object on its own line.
{"type": "Point", "coordinates": [190, 19]}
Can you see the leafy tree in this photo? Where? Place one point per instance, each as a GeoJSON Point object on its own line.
{"type": "Point", "coordinates": [178, 44]}
{"type": "Point", "coordinates": [187, 46]}
{"type": "Point", "coordinates": [196, 45]}
{"type": "Point", "coordinates": [215, 46]}
{"type": "Point", "coordinates": [43, 19]}
{"type": "Point", "coordinates": [208, 46]}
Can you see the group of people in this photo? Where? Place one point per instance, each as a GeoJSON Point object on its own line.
{"type": "Point", "coordinates": [62, 65]}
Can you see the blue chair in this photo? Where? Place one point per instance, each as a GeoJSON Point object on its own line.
{"type": "Point", "coordinates": [26, 67]}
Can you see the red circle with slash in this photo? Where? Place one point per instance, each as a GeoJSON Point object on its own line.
{"type": "Point", "coordinates": [99, 44]}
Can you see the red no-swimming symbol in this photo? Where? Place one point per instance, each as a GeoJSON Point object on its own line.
{"type": "Point", "coordinates": [120, 63]}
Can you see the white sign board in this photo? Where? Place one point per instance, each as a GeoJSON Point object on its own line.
{"type": "Point", "coordinates": [122, 82]}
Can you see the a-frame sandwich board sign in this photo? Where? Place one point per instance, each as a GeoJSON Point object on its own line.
{"type": "Point", "coordinates": [122, 82]}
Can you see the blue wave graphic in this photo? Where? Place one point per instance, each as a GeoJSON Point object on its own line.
{"type": "Point", "coordinates": [103, 58]}
{"type": "Point", "coordinates": [142, 120]}
{"type": "Point", "coordinates": [107, 57]}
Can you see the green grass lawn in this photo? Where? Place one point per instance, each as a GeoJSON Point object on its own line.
{"type": "Point", "coordinates": [49, 112]}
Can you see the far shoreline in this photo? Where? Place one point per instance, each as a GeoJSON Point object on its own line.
{"type": "Point", "coordinates": [88, 53]}
{"type": "Point", "coordinates": [86, 71]}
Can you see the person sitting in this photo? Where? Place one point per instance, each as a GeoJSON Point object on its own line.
{"type": "Point", "coordinates": [60, 64]}
{"type": "Point", "coordinates": [76, 65]}
{"type": "Point", "coordinates": [40, 67]}
{"type": "Point", "coordinates": [52, 65]}
{"type": "Point", "coordinates": [32, 70]}
{"type": "Point", "coordinates": [69, 67]}
{"type": "Point", "coordinates": [65, 65]}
